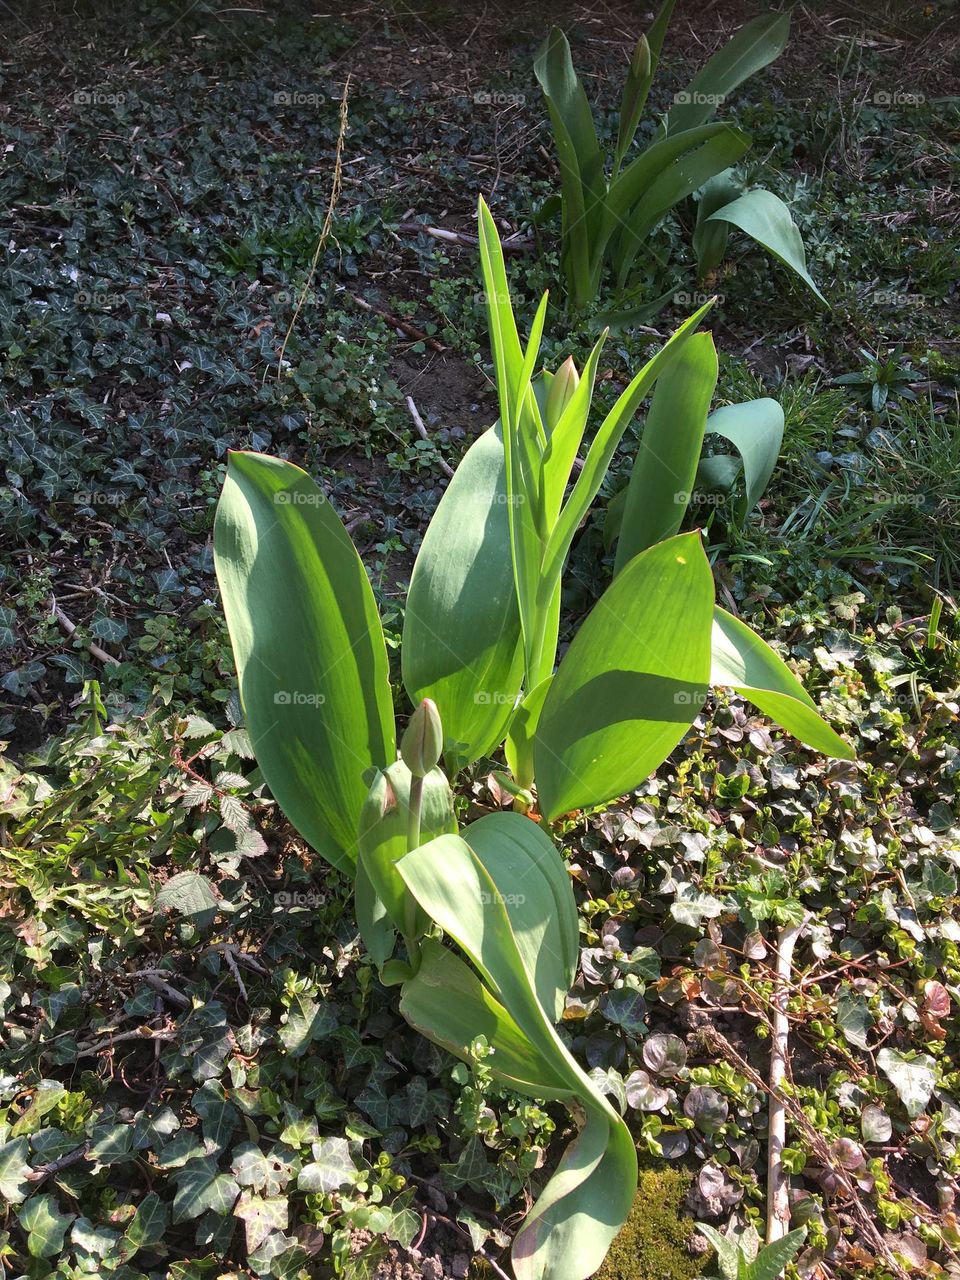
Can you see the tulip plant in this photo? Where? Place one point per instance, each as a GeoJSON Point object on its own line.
{"type": "Point", "coordinates": [609, 211]}
{"type": "Point", "coordinates": [478, 925]}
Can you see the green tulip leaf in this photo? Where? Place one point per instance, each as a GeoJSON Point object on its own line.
{"type": "Point", "coordinates": [632, 681]}
{"type": "Point", "coordinates": [308, 647]}
{"type": "Point", "coordinates": [740, 660]}
{"type": "Point", "coordinates": [462, 645]}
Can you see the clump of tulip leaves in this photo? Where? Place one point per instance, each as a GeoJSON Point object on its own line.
{"type": "Point", "coordinates": [478, 926]}
{"type": "Point", "coordinates": [611, 205]}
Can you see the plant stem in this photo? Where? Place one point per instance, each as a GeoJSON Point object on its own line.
{"type": "Point", "coordinates": [778, 1183]}
{"type": "Point", "coordinates": [413, 841]}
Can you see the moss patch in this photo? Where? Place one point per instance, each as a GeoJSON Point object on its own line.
{"type": "Point", "coordinates": [653, 1244]}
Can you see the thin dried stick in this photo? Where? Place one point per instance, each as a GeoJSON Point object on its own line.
{"type": "Point", "coordinates": [395, 322]}
{"type": "Point", "coordinates": [327, 221]}
{"type": "Point", "coordinates": [720, 1043]}
{"type": "Point", "coordinates": [68, 628]}
{"type": "Point", "coordinates": [422, 433]}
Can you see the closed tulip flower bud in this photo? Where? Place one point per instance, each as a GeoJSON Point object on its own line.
{"type": "Point", "coordinates": [640, 62]}
{"type": "Point", "coordinates": [422, 743]}
{"type": "Point", "coordinates": [565, 382]}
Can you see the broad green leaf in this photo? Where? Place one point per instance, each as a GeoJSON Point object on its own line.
{"type": "Point", "coordinates": [765, 218]}
{"type": "Point", "coordinates": [710, 238]}
{"type": "Point", "coordinates": [603, 447]}
{"type": "Point", "coordinates": [534, 887]}
{"type": "Point", "coordinates": [627, 190]}
{"type": "Point", "coordinates": [740, 660]}
{"type": "Point", "coordinates": [637, 86]}
{"type": "Point", "coordinates": [518, 748]}
{"type": "Point", "coordinates": [45, 1225]}
{"type": "Point", "coordinates": [308, 645]}
{"type": "Point", "coordinates": [632, 681]}
{"type": "Point", "coordinates": [523, 441]}
{"type": "Point", "coordinates": [446, 1002]}
{"type": "Point", "coordinates": [461, 633]}
{"type": "Point", "coordinates": [566, 437]}
{"type": "Point", "coordinates": [674, 184]}
{"type": "Point", "coordinates": [376, 928]}
{"type": "Point", "coordinates": [755, 428]}
{"type": "Point", "coordinates": [728, 1255]}
{"type": "Point", "coordinates": [665, 468]}
{"type": "Point", "coordinates": [384, 832]}
{"type": "Point", "coordinates": [752, 48]}
{"type": "Point", "coordinates": [567, 1233]}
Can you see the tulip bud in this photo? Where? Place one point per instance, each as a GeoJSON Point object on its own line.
{"type": "Point", "coordinates": [565, 382]}
{"type": "Point", "coordinates": [422, 743]}
{"type": "Point", "coordinates": [640, 63]}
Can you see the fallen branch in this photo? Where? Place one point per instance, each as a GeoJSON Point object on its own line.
{"type": "Point", "coordinates": [463, 239]}
{"type": "Point", "coordinates": [422, 433]}
{"type": "Point", "coordinates": [403, 325]}
{"type": "Point", "coordinates": [68, 628]}
{"type": "Point", "coordinates": [778, 1182]}
{"type": "Point", "coordinates": [141, 1033]}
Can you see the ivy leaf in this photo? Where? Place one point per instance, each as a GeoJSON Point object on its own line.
{"type": "Point", "coordinates": [332, 1166]}
{"type": "Point", "coordinates": [149, 1224]}
{"type": "Point", "coordinates": [625, 1008]}
{"type": "Point", "coordinates": [13, 1170]}
{"type": "Point", "coordinates": [854, 1017]}
{"type": "Point", "coordinates": [201, 1187]}
{"type": "Point", "coordinates": [45, 1225]}
{"type": "Point", "coordinates": [218, 1117]}
{"type": "Point", "coordinates": [261, 1216]}
{"type": "Point", "coordinates": [914, 1078]}
{"type": "Point", "coordinates": [111, 1143]}
{"type": "Point", "coordinates": [305, 1021]}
